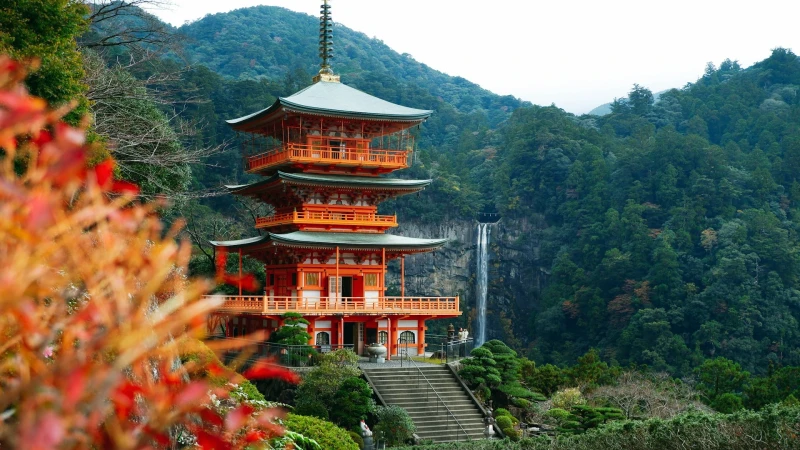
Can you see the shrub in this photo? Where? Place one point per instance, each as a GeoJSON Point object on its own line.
{"type": "Point", "coordinates": [504, 422]}
{"type": "Point", "coordinates": [567, 398]}
{"type": "Point", "coordinates": [522, 403]}
{"type": "Point", "coordinates": [317, 391]}
{"type": "Point", "coordinates": [353, 402]}
{"type": "Point", "coordinates": [326, 434]}
{"type": "Point", "coordinates": [502, 412]}
{"type": "Point", "coordinates": [357, 439]}
{"type": "Point", "coordinates": [313, 408]}
{"type": "Point", "coordinates": [727, 403]}
{"type": "Point", "coordinates": [394, 424]}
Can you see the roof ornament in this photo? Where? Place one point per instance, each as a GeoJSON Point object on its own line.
{"type": "Point", "coordinates": [326, 44]}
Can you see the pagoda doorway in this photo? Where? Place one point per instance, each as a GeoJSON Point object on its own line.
{"type": "Point", "coordinates": [347, 287]}
{"type": "Point", "coordinates": [350, 334]}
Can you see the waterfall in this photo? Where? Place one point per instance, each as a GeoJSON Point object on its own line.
{"type": "Point", "coordinates": [482, 272]}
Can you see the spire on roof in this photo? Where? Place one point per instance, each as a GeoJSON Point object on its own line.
{"type": "Point", "coordinates": [325, 44]}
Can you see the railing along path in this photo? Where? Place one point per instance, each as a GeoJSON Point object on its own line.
{"type": "Point", "coordinates": [403, 344]}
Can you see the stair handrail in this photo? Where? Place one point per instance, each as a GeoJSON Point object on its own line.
{"type": "Point", "coordinates": [430, 386]}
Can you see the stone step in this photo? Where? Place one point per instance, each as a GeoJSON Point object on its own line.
{"type": "Point", "coordinates": [422, 388]}
{"type": "Point", "coordinates": [404, 401]}
{"type": "Point", "coordinates": [431, 398]}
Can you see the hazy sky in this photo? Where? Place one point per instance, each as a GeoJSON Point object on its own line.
{"type": "Point", "coordinates": [576, 54]}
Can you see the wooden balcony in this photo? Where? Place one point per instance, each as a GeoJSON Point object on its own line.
{"type": "Point", "coordinates": [436, 306]}
{"type": "Point", "coordinates": [326, 220]}
{"type": "Point", "coordinates": [304, 155]}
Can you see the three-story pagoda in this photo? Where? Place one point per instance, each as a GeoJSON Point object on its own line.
{"type": "Point", "coordinates": [322, 153]}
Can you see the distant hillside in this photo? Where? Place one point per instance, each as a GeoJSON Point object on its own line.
{"type": "Point", "coordinates": [273, 42]}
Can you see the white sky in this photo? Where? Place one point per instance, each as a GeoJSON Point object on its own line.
{"type": "Point", "coordinates": [577, 54]}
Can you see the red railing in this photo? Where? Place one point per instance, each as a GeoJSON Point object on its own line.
{"type": "Point", "coordinates": [328, 305]}
{"type": "Point", "coordinates": [327, 218]}
{"type": "Point", "coordinates": [315, 154]}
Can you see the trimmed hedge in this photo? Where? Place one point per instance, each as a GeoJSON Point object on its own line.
{"type": "Point", "coordinates": [328, 435]}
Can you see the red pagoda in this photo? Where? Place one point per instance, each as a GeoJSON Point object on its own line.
{"type": "Point", "coordinates": [322, 153]}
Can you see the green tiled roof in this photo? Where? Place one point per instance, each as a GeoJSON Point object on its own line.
{"type": "Point", "coordinates": [336, 180]}
{"type": "Point", "coordinates": [345, 241]}
{"type": "Point", "coordinates": [339, 100]}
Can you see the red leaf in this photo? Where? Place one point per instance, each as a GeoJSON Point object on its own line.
{"type": "Point", "coordinates": [210, 441]}
{"type": "Point", "coordinates": [248, 281]}
{"type": "Point", "coordinates": [124, 187]}
{"type": "Point", "coordinates": [74, 389]}
{"type": "Point", "coordinates": [238, 417]}
{"type": "Point", "coordinates": [210, 417]}
{"type": "Point", "coordinates": [46, 433]}
{"type": "Point", "coordinates": [40, 214]}
{"type": "Point", "coordinates": [215, 370]}
{"type": "Point", "coordinates": [123, 399]}
{"type": "Point", "coordinates": [263, 369]}
{"type": "Point", "coordinates": [191, 394]}
{"type": "Point", "coordinates": [104, 171]}
{"type": "Point", "coordinates": [255, 436]}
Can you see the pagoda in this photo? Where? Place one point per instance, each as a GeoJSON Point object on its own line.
{"type": "Point", "coordinates": [322, 154]}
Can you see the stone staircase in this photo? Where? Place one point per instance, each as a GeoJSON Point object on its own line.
{"type": "Point", "coordinates": [408, 388]}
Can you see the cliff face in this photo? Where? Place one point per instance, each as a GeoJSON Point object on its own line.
{"type": "Point", "coordinates": [516, 277]}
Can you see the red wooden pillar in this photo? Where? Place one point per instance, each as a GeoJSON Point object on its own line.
{"type": "Point", "coordinates": [421, 336]}
{"type": "Point", "coordinates": [313, 339]}
{"type": "Point", "coordinates": [240, 272]}
{"type": "Point", "coordinates": [389, 339]}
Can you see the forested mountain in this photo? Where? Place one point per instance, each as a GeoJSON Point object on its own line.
{"type": "Point", "coordinates": [667, 232]}
{"type": "Point", "coordinates": [672, 228]}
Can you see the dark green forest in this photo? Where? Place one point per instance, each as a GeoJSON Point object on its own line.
{"type": "Point", "coordinates": [671, 229]}
{"type": "Point", "coordinates": [668, 229]}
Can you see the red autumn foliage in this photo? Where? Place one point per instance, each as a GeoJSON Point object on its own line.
{"type": "Point", "coordinates": [94, 303]}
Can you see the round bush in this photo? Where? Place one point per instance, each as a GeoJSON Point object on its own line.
{"type": "Point", "coordinates": [502, 412]}
{"type": "Point", "coordinates": [328, 435]}
{"type": "Point", "coordinates": [504, 422]}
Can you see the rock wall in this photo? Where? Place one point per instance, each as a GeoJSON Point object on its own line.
{"type": "Point", "coordinates": [516, 275]}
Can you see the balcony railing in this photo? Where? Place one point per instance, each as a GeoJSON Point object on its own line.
{"type": "Point", "coordinates": [331, 305]}
{"type": "Point", "coordinates": [325, 155]}
{"type": "Point", "coordinates": [327, 218]}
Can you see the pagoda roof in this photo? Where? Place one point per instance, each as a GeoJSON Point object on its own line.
{"type": "Point", "coordinates": [327, 240]}
{"type": "Point", "coordinates": [311, 179]}
{"type": "Point", "coordinates": [334, 99]}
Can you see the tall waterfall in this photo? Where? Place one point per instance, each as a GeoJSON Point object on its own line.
{"type": "Point", "coordinates": [482, 271]}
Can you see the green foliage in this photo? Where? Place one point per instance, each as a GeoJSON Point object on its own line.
{"type": "Point", "coordinates": [353, 401]}
{"type": "Point", "coordinates": [568, 398]}
{"type": "Point", "coordinates": [546, 379]}
{"type": "Point", "coordinates": [47, 30]}
{"type": "Point", "coordinates": [718, 377]}
{"type": "Point", "coordinates": [504, 422]}
{"type": "Point", "coordinates": [357, 439]}
{"type": "Point", "coordinates": [480, 369]}
{"type": "Point", "coordinates": [322, 389]}
{"type": "Point", "coordinates": [523, 403]}
{"type": "Point", "coordinates": [727, 403]}
{"type": "Point", "coordinates": [394, 425]}
{"type": "Point", "coordinates": [291, 333]}
{"type": "Point", "coordinates": [326, 434]}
